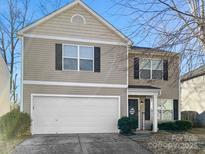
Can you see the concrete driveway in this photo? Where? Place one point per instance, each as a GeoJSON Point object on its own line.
{"type": "Point", "coordinates": [80, 144]}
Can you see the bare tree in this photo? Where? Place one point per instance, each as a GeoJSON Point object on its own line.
{"type": "Point", "coordinates": [11, 20]}
{"type": "Point", "coordinates": [47, 7]}
{"type": "Point", "coordinates": [174, 25]}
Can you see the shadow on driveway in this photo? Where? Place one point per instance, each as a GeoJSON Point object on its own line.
{"type": "Point", "coordinates": [80, 144]}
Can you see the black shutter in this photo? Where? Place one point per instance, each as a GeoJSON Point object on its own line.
{"type": "Point", "coordinates": [96, 59]}
{"type": "Point", "coordinates": [58, 56]}
{"type": "Point", "coordinates": [147, 109]}
{"type": "Point", "coordinates": [165, 69]}
{"type": "Point", "coordinates": [176, 109]}
{"type": "Point", "coordinates": [136, 68]}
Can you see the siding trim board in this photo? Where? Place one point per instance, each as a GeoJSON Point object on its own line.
{"type": "Point", "coordinates": [75, 84]}
{"type": "Point", "coordinates": [84, 40]}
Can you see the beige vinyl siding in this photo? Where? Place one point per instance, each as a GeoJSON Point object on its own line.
{"type": "Point", "coordinates": [39, 63]}
{"type": "Point", "coordinates": [170, 88]}
{"type": "Point", "coordinates": [193, 94]}
{"type": "Point", "coordinates": [61, 25]}
{"type": "Point", "coordinates": [61, 90]}
{"type": "Point", "coordinates": [4, 88]}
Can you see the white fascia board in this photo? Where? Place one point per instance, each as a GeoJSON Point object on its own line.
{"type": "Point", "coordinates": [146, 92]}
{"type": "Point", "coordinates": [73, 39]}
{"type": "Point", "coordinates": [73, 84]}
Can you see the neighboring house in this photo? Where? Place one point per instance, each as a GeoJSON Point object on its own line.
{"type": "Point", "coordinates": [193, 92]}
{"type": "Point", "coordinates": [4, 87]}
{"type": "Point", "coordinates": [80, 75]}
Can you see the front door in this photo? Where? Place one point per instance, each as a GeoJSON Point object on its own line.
{"type": "Point", "coordinates": [133, 108]}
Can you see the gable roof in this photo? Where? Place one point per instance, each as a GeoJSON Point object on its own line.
{"type": "Point", "coordinates": [200, 71]}
{"type": "Point", "coordinates": [100, 18]}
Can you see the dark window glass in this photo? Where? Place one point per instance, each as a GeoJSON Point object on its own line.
{"type": "Point", "coordinates": [86, 65]}
{"type": "Point", "coordinates": [70, 64]}
{"type": "Point", "coordinates": [145, 74]}
{"type": "Point", "coordinates": [157, 74]}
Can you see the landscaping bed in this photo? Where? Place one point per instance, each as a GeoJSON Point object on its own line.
{"type": "Point", "coordinates": [172, 142]}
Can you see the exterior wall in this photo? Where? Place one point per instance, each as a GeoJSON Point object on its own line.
{"type": "Point", "coordinates": [39, 63]}
{"type": "Point", "coordinates": [170, 88]}
{"type": "Point", "coordinates": [4, 88]}
{"type": "Point", "coordinates": [29, 89]}
{"type": "Point", "coordinates": [61, 25]}
{"type": "Point", "coordinates": [193, 95]}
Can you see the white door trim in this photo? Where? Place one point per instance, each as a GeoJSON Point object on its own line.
{"type": "Point", "coordinates": [77, 96]}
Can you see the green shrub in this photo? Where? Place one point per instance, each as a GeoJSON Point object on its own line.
{"type": "Point", "coordinates": [124, 125]}
{"type": "Point", "coordinates": [14, 124]}
{"type": "Point", "coordinates": [169, 125]}
{"type": "Point", "coordinates": [179, 125]}
{"type": "Point", "coordinates": [183, 124]}
{"type": "Point", "coordinates": [127, 125]}
{"type": "Point", "coordinates": [133, 123]}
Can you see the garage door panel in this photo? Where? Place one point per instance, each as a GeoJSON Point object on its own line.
{"type": "Point", "coordinates": [74, 114]}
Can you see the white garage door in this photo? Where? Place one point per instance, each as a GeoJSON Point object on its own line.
{"type": "Point", "coordinates": [74, 114]}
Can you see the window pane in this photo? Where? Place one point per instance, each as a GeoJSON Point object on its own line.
{"type": "Point", "coordinates": [145, 74]}
{"type": "Point", "coordinates": [156, 64]}
{"type": "Point", "coordinates": [86, 65]}
{"type": "Point", "coordinates": [167, 104]}
{"type": "Point", "coordinates": [70, 64]}
{"type": "Point", "coordinates": [70, 51]}
{"type": "Point", "coordinates": [86, 52]}
{"type": "Point", "coordinates": [167, 115]}
{"type": "Point", "coordinates": [156, 74]}
{"type": "Point", "coordinates": [145, 64]}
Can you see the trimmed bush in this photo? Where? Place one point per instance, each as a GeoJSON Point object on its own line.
{"type": "Point", "coordinates": [169, 125]}
{"type": "Point", "coordinates": [183, 125]}
{"type": "Point", "coordinates": [179, 125]}
{"type": "Point", "coordinates": [127, 125]}
{"type": "Point", "coordinates": [124, 125]}
{"type": "Point", "coordinates": [14, 123]}
{"type": "Point", "coordinates": [133, 123]}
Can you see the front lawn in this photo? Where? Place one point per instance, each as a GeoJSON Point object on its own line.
{"type": "Point", "coordinates": [173, 142]}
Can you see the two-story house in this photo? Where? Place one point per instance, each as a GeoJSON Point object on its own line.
{"type": "Point", "coordinates": [80, 75]}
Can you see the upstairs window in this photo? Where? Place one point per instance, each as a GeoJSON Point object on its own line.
{"type": "Point", "coordinates": [145, 68]}
{"type": "Point", "coordinates": [151, 69]}
{"type": "Point", "coordinates": [157, 69]}
{"type": "Point", "coordinates": [77, 57]}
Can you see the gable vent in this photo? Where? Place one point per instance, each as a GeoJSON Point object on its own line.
{"type": "Point", "coordinates": [78, 19]}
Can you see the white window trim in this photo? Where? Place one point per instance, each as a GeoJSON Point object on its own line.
{"type": "Point", "coordinates": [78, 57]}
{"type": "Point", "coordinates": [151, 59]}
{"type": "Point", "coordinates": [84, 20]}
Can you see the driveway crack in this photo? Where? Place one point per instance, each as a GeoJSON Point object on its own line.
{"type": "Point", "coordinates": [80, 143]}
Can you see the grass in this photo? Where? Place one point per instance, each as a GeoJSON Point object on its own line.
{"type": "Point", "coordinates": [8, 145]}
{"type": "Point", "coordinates": [197, 131]}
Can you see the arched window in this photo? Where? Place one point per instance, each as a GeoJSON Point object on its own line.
{"type": "Point", "coordinates": [78, 19]}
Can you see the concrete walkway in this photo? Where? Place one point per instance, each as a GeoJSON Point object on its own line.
{"type": "Point", "coordinates": [80, 144]}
